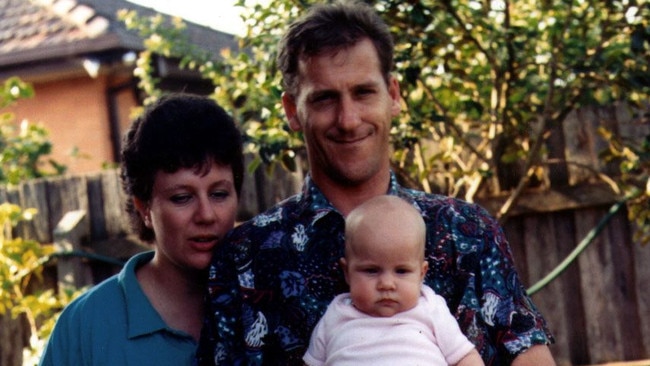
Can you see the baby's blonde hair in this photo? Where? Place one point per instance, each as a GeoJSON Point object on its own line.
{"type": "Point", "coordinates": [374, 213]}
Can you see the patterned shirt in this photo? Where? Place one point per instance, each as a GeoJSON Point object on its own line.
{"type": "Point", "coordinates": [273, 279]}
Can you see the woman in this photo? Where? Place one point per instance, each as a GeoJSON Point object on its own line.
{"type": "Point", "coordinates": [182, 169]}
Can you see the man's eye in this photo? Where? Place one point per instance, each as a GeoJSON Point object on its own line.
{"type": "Point", "coordinates": [365, 91]}
{"type": "Point", "coordinates": [323, 98]}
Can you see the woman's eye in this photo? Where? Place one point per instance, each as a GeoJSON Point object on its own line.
{"type": "Point", "coordinates": [220, 194]}
{"type": "Point", "coordinates": [180, 198]}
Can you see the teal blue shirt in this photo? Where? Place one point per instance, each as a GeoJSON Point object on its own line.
{"type": "Point", "coordinates": [115, 324]}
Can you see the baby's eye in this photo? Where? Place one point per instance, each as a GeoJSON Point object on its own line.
{"type": "Point", "coordinates": [370, 270]}
{"type": "Point", "coordinates": [403, 270]}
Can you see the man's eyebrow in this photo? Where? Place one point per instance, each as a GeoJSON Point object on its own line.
{"type": "Point", "coordinates": [368, 84]}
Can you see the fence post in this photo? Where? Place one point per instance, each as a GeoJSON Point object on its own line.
{"type": "Point", "coordinates": [70, 232]}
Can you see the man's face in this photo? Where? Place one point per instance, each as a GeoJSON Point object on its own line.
{"type": "Point", "coordinates": [344, 108]}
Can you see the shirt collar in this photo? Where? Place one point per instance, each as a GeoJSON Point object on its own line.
{"type": "Point", "coordinates": [314, 201]}
{"type": "Point", "coordinates": [142, 318]}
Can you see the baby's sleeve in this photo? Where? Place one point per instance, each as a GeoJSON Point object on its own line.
{"type": "Point", "coordinates": [316, 354]}
{"type": "Point", "coordinates": [453, 344]}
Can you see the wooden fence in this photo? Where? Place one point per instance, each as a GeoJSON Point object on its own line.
{"type": "Point", "coordinates": [598, 309]}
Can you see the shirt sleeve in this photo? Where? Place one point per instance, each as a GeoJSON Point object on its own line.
{"type": "Point", "coordinates": [316, 354]}
{"type": "Point", "coordinates": [452, 342]}
{"type": "Point", "coordinates": [471, 266]}
{"type": "Point", "coordinates": [64, 346]}
{"type": "Point", "coordinates": [505, 306]}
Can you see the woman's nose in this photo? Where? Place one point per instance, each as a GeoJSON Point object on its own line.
{"type": "Point", "coordinates": [205, 211]}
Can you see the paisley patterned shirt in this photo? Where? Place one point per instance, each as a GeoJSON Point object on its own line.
{"type": "Point", "coordinates": [273, 278]}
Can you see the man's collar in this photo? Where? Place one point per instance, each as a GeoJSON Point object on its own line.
{"type": "Point", "coordinates": [313, 199]}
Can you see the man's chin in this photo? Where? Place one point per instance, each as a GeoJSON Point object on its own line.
{"type": "Point", "coordinates": [352, 175]}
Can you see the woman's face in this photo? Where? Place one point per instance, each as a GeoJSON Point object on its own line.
{"type": "Point", "coordinates": [190, 212]}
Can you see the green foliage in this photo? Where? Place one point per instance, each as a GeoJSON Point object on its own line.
{"type": "Point", "coordinates": [21, 269]}
{"type": "Point", "coordinates": [484, 83]}
{"type": "Point", "coordinates": [164, 37]}
{"type": "Point", "coordinates": [634, 164]}
{"type": "Point", "coordinates": [21, 148]}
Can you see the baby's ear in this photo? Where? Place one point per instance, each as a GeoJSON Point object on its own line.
{"type": "Point", "coordinates": [425, 268]}
{"type": "Point", "coordinates": [344, 266]}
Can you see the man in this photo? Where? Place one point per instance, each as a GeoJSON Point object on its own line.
{"type": "Point", "coordinates": [272, 280]}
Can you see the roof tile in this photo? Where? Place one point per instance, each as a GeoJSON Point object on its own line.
{"type": "Point", "coordinates": [36, 29]}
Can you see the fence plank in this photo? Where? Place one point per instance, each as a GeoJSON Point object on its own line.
{"type": "Point", "coordinates": [96, 208]}
{"type": "Point", "coordinates": [577, 140]}
{"type": "Point", "coordinates": [596, 275]}
{"type": "Point", "coordinates": [106, 202]}
{"type": "Point", "coordinates": [248, 205]}
{"type": "Point", "coordinates": [67, 194]}
{"type": "Point", "coordinates": [33, 194]}
{"type": "Point", "coordinates": [69, 234]}
{"type": "Point", "coordinates": [571, 292]}
{"type": "Point", "coordinates": [276, 186]}
{"type": "Point", "coordinates": [641, 257]}
{"type": "Point", "coordinates": [542, 256]}
{"type": "Point", "coordinates": [14, 336]}
{"type": "Point", "coordinates": [114, 198]}
{"type": "Point", "coordinates": [514, 231]}
{"type": "Point", "coordinates": [624, 290]}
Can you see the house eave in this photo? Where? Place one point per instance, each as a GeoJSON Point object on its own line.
{"type": "Point", "coordinates": [67, 50]}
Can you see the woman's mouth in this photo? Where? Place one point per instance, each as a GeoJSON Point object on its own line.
{"type": "Point", "coordinates": [204, 242]}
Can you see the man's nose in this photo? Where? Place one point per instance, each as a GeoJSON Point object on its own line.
{"type": "Point", "coordinates": [348, 117]}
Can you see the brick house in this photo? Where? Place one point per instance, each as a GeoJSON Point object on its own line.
{"type": "Point", "coordinates": [80, 58]}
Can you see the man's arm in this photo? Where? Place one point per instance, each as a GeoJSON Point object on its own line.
{"type": "Point", "coordinates": [539, 355]}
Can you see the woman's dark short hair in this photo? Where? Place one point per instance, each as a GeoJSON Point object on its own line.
{"type": "Point", "coordinates": [178, 131]}
{"type": "Point", "coordinates": [331, 27]}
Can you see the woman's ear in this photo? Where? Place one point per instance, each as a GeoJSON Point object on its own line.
{"type": "Point", "coordinates": [143, 210]}
{"type": "Point", "coordinates": [290, 110]}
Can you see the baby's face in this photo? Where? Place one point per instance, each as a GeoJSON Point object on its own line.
{"type": "Point", "coordinates": [385, 276]}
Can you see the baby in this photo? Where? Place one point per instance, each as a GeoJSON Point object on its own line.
{"type": "Point", "coordinates": [389, 317]}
